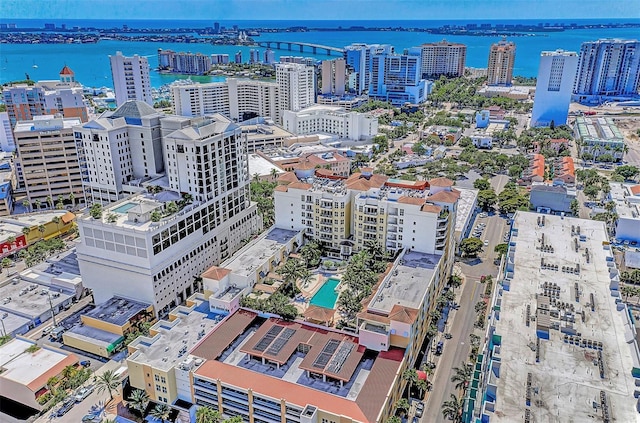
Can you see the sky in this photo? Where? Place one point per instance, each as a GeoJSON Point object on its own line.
{"type": "Point", "coordinates": [319, 9]}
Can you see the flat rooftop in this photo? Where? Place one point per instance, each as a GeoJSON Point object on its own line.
{"type": "Point", "coordinates": [93, 335]}
{"type": "Point", "coordinates": [621, 194]}
{"type": "Point", "coordinates": [28, 299]}
{"type": "Point", "coordinates": [407, 283]}
{"type": "Point", "coordinates": [586, 330]}
{"type": "Point", "coordinates": [31, 369]}
{"type": "Point", "coordinates": [173, 340]}
{"type": "Point", "coordinates": [466, 205]}
{"type": "Point", "coordinates": [36, 219]}
{"type": "Point", "coordinates": [250, 352]}
{"type": "Point", "coordinates": [261, 166]}
{"type": "Point", "coordinates": [252, 256]}
{"type": "Point", "coordinates": [600, 128]}
{"type": "Point", "coordinates": [46, 123]}
{"type": "Point", "coordinates": [117, 310]}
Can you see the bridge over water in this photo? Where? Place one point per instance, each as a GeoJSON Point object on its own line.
{"type": "Point", "coordinates": [289, 45]}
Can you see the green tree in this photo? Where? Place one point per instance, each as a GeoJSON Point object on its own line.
{"type": "Point", "coordinates": [487, 198]}
{"type": "Point", "coordinates": [49, 201]}
{"type": "Point", "coordinates": [107, 381]}
{"type": "Point", "coordinates": [515, 171]}
{"type": "Point", "coordinates": [403, 405]}
{"type": "Point", "coordinates": [139, 400]}
{"type": "Point", "coordinates": [452, 409]}
{"type": "Point", "coordinates": [6, 263]}
{"type": "Point", "coordinates": [290, 272]}
{"type": "Point", "coordinates": [627, 171]}
{"type": "Point", "coordinates": [208, 415]}
{"type": "Point", "coordinates": [161, 412]}
{"type": "Point", "coordinates": [482, 184]}
{"type": "Point", "coordinates": [575, 207]}
{"type": "Point", "coordinates": [471, 246]}
{"type": "Point", "coordinates": [461, 376]}
{"type": "Point", "coordinates": [480, 307]}
{"type": "Point", "coordinates": [38, 203]}
{"type": "Point", "coordinates": [501, 249]}
{"type": "Point", "coordinates": [591, 191]}
{"type": "Point", "coordinates": [455, 281]}
{"type": "Point", "coordinates": [411, 377]}
{"type": "Point", "coordinates": [42, 229]}
{"type": "Point", "coordinates": [27, 205]}
{"type": "Point", "coordinates": [96, 211]}
{"type": "Point", "coordinates": [155, 216]}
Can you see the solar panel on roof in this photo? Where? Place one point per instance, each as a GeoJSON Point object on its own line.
{"type": "Point", "coordinates": [282, 340]}
{"type": "Point", "coordinates": [323, 358]}
{"type": "Point", "coordinates": [340, 357]}
{"type": "Point", "coordinates": [268, 338]}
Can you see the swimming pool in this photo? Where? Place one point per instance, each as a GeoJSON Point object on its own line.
{"type": "Point", "coordinates": [326, 296]}
{"type": "Point", "coordinates": [124, 208]}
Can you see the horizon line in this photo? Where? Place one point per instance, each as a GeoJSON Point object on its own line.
{"type": "Point", "coordinates": [319, 20]}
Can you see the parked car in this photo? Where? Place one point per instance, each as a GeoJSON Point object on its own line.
{"type": "Point", "coordinates": [46, 331]}
{"type": "Point", "coordinates": [91, 418]}
{"type": "Point", "coordinates": [85, 363]}
{"type": "Point", "coordinates": [486, 242]}
{"type": "Point", "coordinates": [83, 393]}
{"type": "Point", "coordinates": [439, 348]}
{"type": "Point", "coordinates": [66, 406]}
{"type": "Point", "coordinates": [419, 409]}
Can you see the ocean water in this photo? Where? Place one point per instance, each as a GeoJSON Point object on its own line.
{"type": "Point", "coordinates": [90, 62]}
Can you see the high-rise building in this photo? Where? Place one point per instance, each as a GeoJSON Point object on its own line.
{"type": "Point", "coordinates": [237, 58]}
{"type": "Point", "coordinates": [358, 58]}
{"type": "Point", "coordinates": [237, 99]}
{"type": "Point", "coordinates": [396, 78]}
{"type": "Point", "coordinates": [46, 150]}
{"type": "Point", "coordinates": [119, 150]}
{"type": "Point", "coordinates": [7, 143]}
{"type": "Point", "coordinates": [216, 27]}
{"type": "Point", "coordinates": [297, 85]}
{"type": "Point", "coordinates": [556, 74]}
{"type": "Point", "coordinates": [131, 78]}
{"type": "Point", "coordinates": [333, 77]}
{"type": "Point", "coordinates": [254, 56]}
{"type": "Point", "coordinates": [502, 56]}
{"type": "Point", "coordinates": [269, 57]}
{"type": "Point", "coordinates": [442, 58]}
{"type": "Point", "coordinates": [219, 59]}
{"type": "Point", "coordinates": [608, 68]}
{"type": "Point", "coordinates": [186, 63]}
{"type": "Point", "coordinates": [150, 246]}
{"type": "Point", "coordinates": [64, 96]}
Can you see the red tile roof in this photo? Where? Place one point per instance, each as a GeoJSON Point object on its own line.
{"type": "Point", "coordinates": [449, 197]}
{"type": "Point", "coordinates": [216, 273]}
{"type": "Point", "coordinates": [300, 185]}
{"type": "Point", "coordinates": [66, 70]}
{"type": "Point", "coordinates": [441, 182]}
{"type": "Point", "coordinates": [403, 314]}
{"type": "Point", "coordinates": [635, 190]}
{"type": "Point", "coordinates": [411, 200]}
{"type": "Point", "coordinates": [287, 177]}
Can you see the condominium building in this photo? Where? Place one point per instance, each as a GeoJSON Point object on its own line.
{"type": "Point", "coordinates": [307, 61]}
{"type": "Point", "coordinates": [7, 142]}
{"type": "Point", "coordinates": [396, 78]}
{"type": "Point", "coordinates": [331, 120]}
{"type": "Point", "coordinates": [119, 150]}
{"type": "Point", "coordinates": [131, 78]}
{"type": "Point", "coordinates": [151, 246]}
{"type": "Point", "coordinates": [237, 99]}
{"type": "Point", "coordinates": [502, 56]}
{"type": "Point", "coordinates": [184, 63]}
{"type": "Point", "coordinates": [556, 74]}
{"type": "Point", "coordinates": [297, 85]}
{"type": "Point", "coordinates": [358, 58]}
{"type": "Point", "coordinates": [64, 96]}
{"type": "Point", "coordinates": [599, 136]}
{"type": "Point", "coordinates": [46, 151]}
{"type": "Point", "coordinates": [560, 345]}
{"type": "Point", "coordinates": [607, 69]}
{"type": "Point", "coordinates": [219, 59]}
{"type": "Point", "coordinates": [442, 58]}
{"type": "Point", "coordinates": [345, 213]}
{"type": "Point", "coordinates": [333, 77]}
{"type": "Point", "coordinates": [269, 57]}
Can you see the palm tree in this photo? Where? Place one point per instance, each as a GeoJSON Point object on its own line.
{"type": "Point", "coordinates": [161, 412]}
{"type": "Point", "coordinates": [27, 204]}
{"type": "Point", "coordinates": [56, 220]}
{"type": "Point", "coordinates": [6, 263]}
{"type": "Point", "coordinates": [274, 173]}
{"type": "Point", "coordinates": [107, 381]}
{"type": "Point", "coordinates": [403, 405]}
{"type": "Point", "coordinates": [52, 382]}
{"type": "Point", "coordinates": [38, 203]}
{"type": "Point", "coordinates": [26, 231]}
{"type": "Point", "coordinates": [42, 229]}
{"type": "Point", "coordinates": [455, 281]}
{"type": "Point", "coordinates": [461, 376]}
{"type": "Point", "coordinates": [208, 415]}
{"type": "Point", "coordinates": [423, 385]}
{"type": "Point", "coordinates": [69, 371]}
{"type": "Point", "coordinates": [290, 272]}
{"type": "Point", "coordinates": [452, 409]}
{"type": "Point", "coordinates": [305, 276]}
{"type": "Point", "coordinates": [411, 376]}
{"type": "Point", "coordinates": [72, 199]}
{"type": "Point", "coordinates": [139, 400]}
{"type": "Point", "coordinates": [480, 307]}
{"type": "Point", "coordinates": [49, 200]}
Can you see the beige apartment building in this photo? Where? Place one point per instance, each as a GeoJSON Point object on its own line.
{"type": "Point", "coordinates": [502, 56]}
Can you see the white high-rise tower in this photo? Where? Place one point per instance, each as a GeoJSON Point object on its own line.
{"type": "Point", "coordinates": [556, 74]}
{"type": "Point", "coordinates": [131, 78]}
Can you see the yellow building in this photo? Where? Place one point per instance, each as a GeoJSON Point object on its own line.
{"type": "Point", "coordinates": [53, 223]}
{"type": "Point", "coordinates": [105, 327]}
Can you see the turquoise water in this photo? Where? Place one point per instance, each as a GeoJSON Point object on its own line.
{"type": "Point", "coordinates": [90, 62]}
{"type": "Point", "coordinates": [124, 208]}
{"type": "Point", "coordinates": [326, 296]}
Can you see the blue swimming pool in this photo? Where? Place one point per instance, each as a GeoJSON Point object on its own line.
{"type": "Point", "coordinates": [326, 296]}
{"type": "Point", "coordinates": [124, 208]}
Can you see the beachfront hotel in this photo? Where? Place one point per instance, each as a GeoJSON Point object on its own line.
{"type": "Point", "coordinates": [131, 78]}
{"type": "Point", "coordinates": [151, 245]}
{"type": "Point", "coordinates": [560, 343]}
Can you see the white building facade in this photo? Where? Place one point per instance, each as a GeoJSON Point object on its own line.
{"type": "Point", "coordinates": [297, 85]}
{"type": "Point", "coordinates": [553, 88]}
{"type": "Point", "coordinates": [147, 248]}
{"type": "Point", "coordinates": [331, 120]}
{"type": "Point", "coordinates": [7, 142]}
{"type": "Point", "coordinates": [131, 78]}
